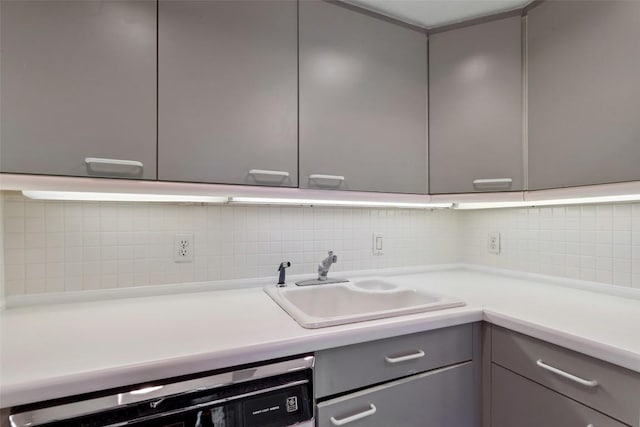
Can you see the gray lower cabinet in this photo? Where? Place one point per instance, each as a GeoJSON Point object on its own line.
{"type": "Point", "coordinates": [577, 388]}
{"type": "Point", "coordinates": [422, 379]}
{"type": "Point", "coordinates": [440, 398]}
{"type": "Point", "coordinates": [363, 118]}
{"type": "Point", "coordinates": [78, 85]}
{"type": "Point", "coordinates": [608, 388]}
{"type": "Point", "coordinates": [519, 402]}
{"type": "Point", "coordinates": [354, 366]}
{"type": "Point", "coordinates": [227, 92]}
{"type": "Point", "coordinates": [584, 96]}
{"type": "Point", "coordinates": [475, 108]}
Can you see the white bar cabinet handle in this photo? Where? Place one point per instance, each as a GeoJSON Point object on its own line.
{"type": "Point", "coordinates": [493, 181]}
{"type": "Point", "coordinates": [98, 160]}
{"type": "Point", "coordinates": [400, 359]}
{"type": "Point", "coordinates": [268, 172]}
{"type": "Point", "coordinates": [581, 381]}
{"type": "Point", "coordinates": [342, 421]}
{"type": "Point", "coordinates": [331, 177]}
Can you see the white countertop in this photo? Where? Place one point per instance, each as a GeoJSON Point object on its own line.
{"type": "Point", "coordinates": [54, 351]}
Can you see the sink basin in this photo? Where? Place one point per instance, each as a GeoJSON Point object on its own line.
{"type": "Point", "coordinates": [336, 304]}
{"type": "Point", "coordinates": [375, 285]}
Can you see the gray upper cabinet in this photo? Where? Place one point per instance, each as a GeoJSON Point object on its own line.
{"type": "Point", "coordinates": [228, 92]}
{"type": "Point", "coordinates": [78, 81]}
{"type": "Point", "coordinates": [584, 95]}
{"type": "Point", "coordinates": [475, 108]}
{"type": "Point", "coordinates": [363, 83]}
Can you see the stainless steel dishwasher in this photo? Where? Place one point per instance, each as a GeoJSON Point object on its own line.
{"type": "Point", "coordinates": [277, 394]}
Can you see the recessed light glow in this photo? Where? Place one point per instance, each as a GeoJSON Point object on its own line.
{"type": "Point", "coordinates": [320, 202]}
{"type": "Point", "coordinates": [122, 197]}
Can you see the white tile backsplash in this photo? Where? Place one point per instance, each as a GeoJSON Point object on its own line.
{"type": "Point", "coordinates": [71, 246]}
{"type": "Point", "coordinates": [595, 243]}
{"type": "Point", "coordinates": [68, 246]}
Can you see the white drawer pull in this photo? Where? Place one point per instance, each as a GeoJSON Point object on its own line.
{"type": "Point", "coordinates": [342, 421]}
{"type": "Point", "coordinates": [399, 359]}
{"type": "Point", "coordinates": [581, 381]}
{"type": "Point", "coordinates": [268, 172]}
{"type": "Point", "coordinates": [98, 160]}
{"type": "Point", "coordinates": [590, 425]}
{"type": "Point", "coordinates": [494, 182]}
{"type": "Point", "coordinates": [330, 177]}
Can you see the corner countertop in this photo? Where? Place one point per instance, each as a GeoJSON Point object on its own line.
{"type": "Point", "coordinates": [54, 351]}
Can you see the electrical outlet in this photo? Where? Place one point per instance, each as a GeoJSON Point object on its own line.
{"type": "Point", "coordinates": [377, 244]}
{"type": "Point", "coordinates": [493, 243]}
{"type": "Point", "coordinates": [183, 248]}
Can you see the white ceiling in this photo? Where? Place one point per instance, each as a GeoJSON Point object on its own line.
{"type": "Point", "coordinates": [432, 13]}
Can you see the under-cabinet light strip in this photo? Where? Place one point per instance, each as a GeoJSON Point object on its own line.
{"type": "Point", "coordinates": [550, 202]}
{"type": "Point", "coordinates": [320, 202]}
{"type": "Point", "coordinates": [167, 198]}
{"type": "Point", "coordinates": [122, 197]}
{"type": "Point", "coordinates": [134, 197]}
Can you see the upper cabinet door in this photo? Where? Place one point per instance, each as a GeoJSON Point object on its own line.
{"type": "Point", "coordinates": [79, 88]}
{"type": "Point", "coordinates": [228, 92]}
{"type": "Point", "coordinates": [584, 93]}
{"type": "Point", "coordinates": [475, 108]}
{"type": "Point", "coordinates": [363, 83]}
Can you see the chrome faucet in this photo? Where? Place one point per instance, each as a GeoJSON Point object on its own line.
{"type": "Point", "coordinates": [325, 265]}
{"type": "Point", "coordinates": [323, 269]}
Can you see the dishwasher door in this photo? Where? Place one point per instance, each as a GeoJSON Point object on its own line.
{"type": "Point", "coordinates": [275, 395]}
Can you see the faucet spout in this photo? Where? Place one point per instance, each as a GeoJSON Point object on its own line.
{"type": "Point", "coordinates": [325, 265]}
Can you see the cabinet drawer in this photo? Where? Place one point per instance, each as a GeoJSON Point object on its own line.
{"type": "Point", "coordinates": [346, 368]}
{"type": "Point", "coordinates": [617, 390]}
{"type": "Point", "coordinates": [442, 398]}
{"type": "Point", "coordinates": [518, 402]}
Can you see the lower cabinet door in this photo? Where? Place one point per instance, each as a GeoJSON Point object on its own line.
{"type": "Point", "coordinates": [519, 402]}
{"type": "Point", "coordinates": [440, 398]}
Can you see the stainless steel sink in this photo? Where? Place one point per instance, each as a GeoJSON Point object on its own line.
{"type": "Point", "coordinates": [368, 299]}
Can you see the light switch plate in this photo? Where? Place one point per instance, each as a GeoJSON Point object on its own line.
{"type": "Point", "coordinates": [493, 243]}
{"type": "Point", "coordinates": [377, 244]}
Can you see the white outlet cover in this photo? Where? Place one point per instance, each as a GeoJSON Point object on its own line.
{"type": "Point", "coordinates": [493, 243]}
{"type": "Point", "coordinates": [183, 247]}
{"type": "Point", "coordinates": [377, 244]}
